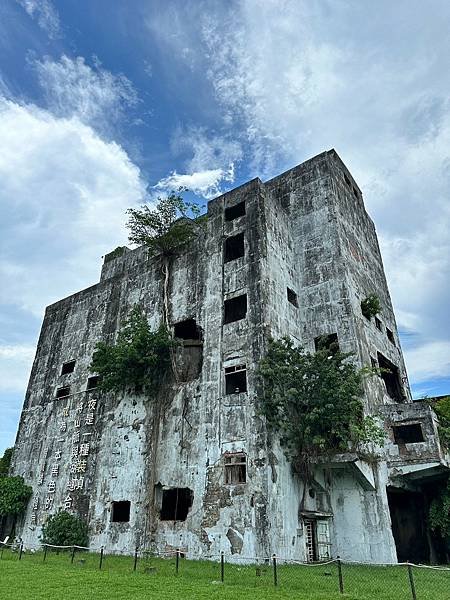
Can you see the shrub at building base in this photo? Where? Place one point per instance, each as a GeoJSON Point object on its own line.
{"type": "Point", "coordinates": [65, 529]}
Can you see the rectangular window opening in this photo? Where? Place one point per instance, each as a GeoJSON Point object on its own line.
{"type": "Point", "coordinates": [292, 297]}
{"type": "Point", "coordinates": [176, 503]}
{"type": "Point", "coordinates": [235, 468]}
{"type": "Point", "coordinates": [234, 247]}
{"type": "Point", "coordinates": [234, 212]}
{"type": "Point", "coordinates": [92, 382]}
{"type": "Point", "coordinates": [390, 335]}
{"type": "Point", "coordinates": [328, 342]}
{"type": "Point", "coordinates": [235, 380]}
{"type": "Point", "coordinates": [347, 180]}
{"type": "Point", "coordinates": [68, 367]}
{"type": "Point", "coordinates": [408, 434]}
{"type": "Point", "coordinates": [355, 192]}
{"type": "Point", "coordinates": [378, 324]}
{"type": "Point", "coordinates": [62, 392]}
{"type": "Point", "coordinates": [187, 330]}
{"type": "Point", "coordinates": [235, 309]}
{"type": "Point", "coordinates": [390, 375]}
{"type": "Point", "coordinates": [120, 511]}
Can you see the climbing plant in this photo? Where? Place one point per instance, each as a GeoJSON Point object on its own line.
{"type": "Point", "coordinates": [313, 401]}
{"type": "Point", "coordinates": [439, 513]}
{"type": "Point", "coordinates": [140, 358]}
{"type": "Point", "coordinates": [371, 306]}
{"type": "Point", "coordinates": [442, 408]}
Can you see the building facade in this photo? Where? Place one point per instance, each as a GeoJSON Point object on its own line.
{"type": "Point", "coordinates": [294, 256]}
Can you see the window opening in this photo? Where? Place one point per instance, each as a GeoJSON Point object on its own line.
{"type": "Point", "coordinates": [235, 468]}
{"type": "Point", "coordinates": [120, 511]}
{"type": "Point", "coordinates": [347, 180]}
{"type": "Point", "coordinates": [355, 193]}
{"type": "Point", "coordinates": [92, 382]}
{"type": "Point", "coordinates": [234, 247]}
{"type": "Point", "coordinates": [378, 323]}
{"type": "Point", "coordinates": [176, 503]}
{"type": "Point", "coordinates": [68, 367]}
{"type": "Point", "coordinates": [390, 336]}
{"type": "Point", "coordinates": [235, 309]}
{"type": "Point", "coordinates": [327, 342]}
{"type": "Point", "coordinates": [235, 379]}
{"type": "Point", "coordinates": [233, 212]}
{"type": "Point", "coordinates": [187, 330]}
{"type": "Point", "coordinates": [373, 363]}
{"type": "Point", "coordinates": [390, 375]}
{"type": "Point", "coordinates": [408, 434]}
{"type": "Point", "coordinates": [62, 392]}
{"type": "Point", "coordinates": [292, 297]}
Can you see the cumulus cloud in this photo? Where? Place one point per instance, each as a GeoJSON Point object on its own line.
{"type": "Point", "coordinates": [15, 365]}
{"type": "Point", "coordinates": [45, 14]}
{"type": "Point", "coordinates": [203, 183]}
{"type": "Point", "coordinates": [429, 361]}
{"type": "Point", "coordinates": [94, 95]}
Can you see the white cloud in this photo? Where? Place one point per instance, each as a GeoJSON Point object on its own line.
{"type": "Point", "coordinates": [45, 14]}
{"type": "Point", "coordinates": [15, 366]}
{"type": "Point", "coordinates": [63, 192]}
{"type": "Point", "coordinates": [94, 95]}
{"type": "Point", "coordinates": [428, 361]}
{"type": "Point", "coordinates": [203, 183]}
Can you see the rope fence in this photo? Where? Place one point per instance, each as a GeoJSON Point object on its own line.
{"type": "Point", "coordinates": [333, 577]}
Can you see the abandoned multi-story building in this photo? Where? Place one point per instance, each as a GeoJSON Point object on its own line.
{"type": "Point", "coordinates": [294, 256]}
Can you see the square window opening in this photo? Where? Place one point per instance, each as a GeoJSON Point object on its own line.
{"type": "Point", "coordinates": [120, 511]}
{"type": "Point", "coordinates": [187, 330]}
{"type": "Point", "coordinates": [234, 247]}
{"type": "Point", "coordinates": [62, 392]}
{"type": "Point", "coordinates": [92, 382]}
{"type": "Point", "coordinates": [235, 309]}
{"type": "Point", "coordinates": [390, 375]}
{"type": "Point", "coordinates": [408, 434]}
{"type": "Point", "coordinates": [234, 212]}
{"type": "Point", "coordinates": [68, 367]}
{"type": "Point", "coordinates": [292, 297]}
{"type": "Point", "coordinates": [235, 468]}
{"type": "Point", "coordinates": [235, 380]}
{"type": "Point", "coordinates": [176, 503]}
{"type": "Point", "coordinates": [328, 342]}
{"type": "Point", "coordinates": [390, 336]}
{"type": "Point", "coordinates": [378, 324]}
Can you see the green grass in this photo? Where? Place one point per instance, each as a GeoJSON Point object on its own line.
{"type": "Point", "coordinates": [58, 579]}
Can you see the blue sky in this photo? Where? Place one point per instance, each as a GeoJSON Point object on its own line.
{"type": "Point", "coordinates": [105, 103]}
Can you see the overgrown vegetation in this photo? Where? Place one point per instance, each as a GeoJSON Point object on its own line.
{"type": "Point", "coordinates": [314, 402]}
{"type": "Point", "coordinates": [439, 515]}
{"type": "Point", "coordinates": [442, 409]}
{"type": "Point", "coordinates": [5, 462]}
{"type": "Point", "coordinates": [140, 358]}
{"type": "Point", "coordinates": [65, 529]}
{"type": "Point", "coordinates": [14, 496]}
{"type": "Point", "coordinates": [371, 306]}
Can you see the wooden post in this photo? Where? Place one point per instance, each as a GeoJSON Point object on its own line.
{"type": "Point", "coordinates": [177, 561]}
{"type": "Point", "coordinates": [341, 581]}
{"type": "Point", "coordinates": [101, 558]}
{"type": "Point", "coordinates": [135, 559]}
{"type": "Point", "coordinates": [45, 552]}
{"type": "Point", "coordinates": [275, 574]}
{"type": "Point", "coordinates": [21, 551]}
{"type": "Point", "coordinates": [411, 582]}
{"type": "Point", "coordinates": [222, 566]}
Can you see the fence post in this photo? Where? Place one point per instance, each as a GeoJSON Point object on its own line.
{"type": "Point", "coordinates": [21, 551]}
{"type": "Point", "coordinates": [411, 581]}
{"type": "Point", "coordinates": [101, 558]}
{"type": "Point", "coordinates": [45, 552]}
{"type": "Point", "coordinates": [275, 574]}
{"type": "Point", "coordinates": [222, 566]}
{"type": "Point", "coordinates": [341, 581]}
{"type": "Point", "coordinates": [135, 559]}
{"type": "Point", "coordinates": [177, 561]}
{"type": "Point", "coordinates": [73, 555]}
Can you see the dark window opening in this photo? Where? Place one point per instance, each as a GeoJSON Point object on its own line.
{"type": "Point", "coordinates": [390, 375]}
{"type": "Point", "coordinates": [120, 511]}
{"type": "Point", "coordinates": [187, 330]}
{"type": "Point", "coordinates": [235, 379]}
{"type": "Point", "coordinates": [233, 212]}
{"type": "Point", "coordinates": [68, 367]}
{"type": "Point", "coordinates": [408, 434]}
{"type": "Point", "coordinates": [373, 363]}
{"type": "Point", "coordinates": [292, 297]}
{"type": "Point", "coordinates": [176, 503]}
{"type": "Point", "coordinates": [327, 342]}
{"type": "Point", "coordinates": [62, 392]}
{"type": "Point", "coordinates": [93, 382]}
{"type": "Point", "coordinates": [347, 180]}
{"type": "Point", "coordinates": [234, 247]}
{"type": "Point", "coordinates": [355, 193]}
{"type": "Point", "coordinates": [390, 336]}
{"type": "Point", "coordinates": [235, 309]}
{"type": "Point", "coordinates": [235, 468]}
{"type": "Point", "coordinates": [378, 323]}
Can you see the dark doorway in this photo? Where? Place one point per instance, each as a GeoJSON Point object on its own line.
{"type": "Point", "coordinates": [189, 355]}
{"type": "Point", "coordinates": [176, 503]}
{"type": "Point", "coordinates": [187, 330]}
{"type": "Point", "coordinates": [234, 247]}
{"type": "Point", "coordinates": [120, 511]}
{"type": "Point", "coordinates": [391, 377]}
{"type": "Point", "coordinates": [408, 518]}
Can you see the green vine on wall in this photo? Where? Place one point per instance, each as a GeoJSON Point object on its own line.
{"type": "Point", "coordinates": [371, 306]}
{"type": "Point", "coordinates": [314, 402]}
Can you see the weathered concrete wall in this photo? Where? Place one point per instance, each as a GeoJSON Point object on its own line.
{"type": "Point", "coordinates": [306, 230]}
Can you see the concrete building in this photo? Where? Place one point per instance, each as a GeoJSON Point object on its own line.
{"type": "Point", "coordinates": [292, 256]}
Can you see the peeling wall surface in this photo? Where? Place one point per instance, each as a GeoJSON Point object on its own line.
{"type": "Point", "coordinates": [306, 230]}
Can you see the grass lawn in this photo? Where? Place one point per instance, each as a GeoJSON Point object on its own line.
{"type": "Point", "coordinates": [58, 579]}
